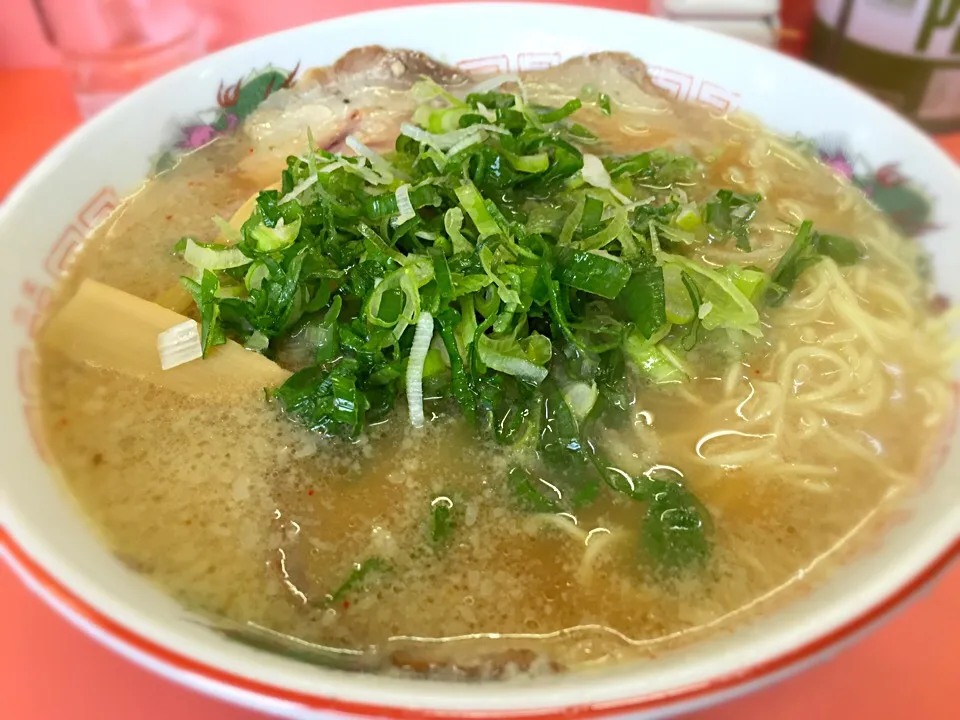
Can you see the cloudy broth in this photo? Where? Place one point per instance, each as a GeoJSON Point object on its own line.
{"type": "Point", "coordinates": [795, 448]}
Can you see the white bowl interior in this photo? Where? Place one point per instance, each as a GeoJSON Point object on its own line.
{"type": "Point", "coordinates": [69, 191]}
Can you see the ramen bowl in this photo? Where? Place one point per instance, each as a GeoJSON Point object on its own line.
{"type": "Point", "coordinates": [79, 183]}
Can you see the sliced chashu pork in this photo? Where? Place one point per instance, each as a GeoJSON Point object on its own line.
{"type": "Point", "coordinates": [644, 116]}
{"type": "Point", "coordinates": [366, 94]}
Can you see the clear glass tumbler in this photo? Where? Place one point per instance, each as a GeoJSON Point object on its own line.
{"type": "Point", "coordinates": [110, 47]}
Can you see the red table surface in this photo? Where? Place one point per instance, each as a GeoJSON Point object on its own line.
{"type": "Point", "coordinates": [909, 668]}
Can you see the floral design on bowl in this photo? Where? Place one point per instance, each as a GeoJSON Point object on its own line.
{"type": "Point", "coordinates": [235, 102]}
{"type": "Point", "coordinates": [909, 205]}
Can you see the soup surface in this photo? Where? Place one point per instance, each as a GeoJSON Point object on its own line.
{"type": "Point", "coordinates": [728, 463]}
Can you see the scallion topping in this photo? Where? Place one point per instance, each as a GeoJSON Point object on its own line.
{"type": "Point", "coordinates": [544, 271]}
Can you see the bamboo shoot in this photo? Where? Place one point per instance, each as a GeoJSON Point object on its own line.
{"type": "Point", "coordinates": [110, 329]}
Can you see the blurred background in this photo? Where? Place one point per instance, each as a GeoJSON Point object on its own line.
{"type": "Point", "coordinates": [108, 47]}
{"type": "Point", "coordinates": [23, 45]}
{"type": "Point", "coordinates": [903, 51]}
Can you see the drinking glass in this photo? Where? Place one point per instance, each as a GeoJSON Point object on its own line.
{"type": "Point", "coordinates": [110, 47]}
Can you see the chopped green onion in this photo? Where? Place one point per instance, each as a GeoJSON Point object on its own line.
{"type": "Point", "coordinates": [747, 280]}
{"type": "Point", "coordinates": [595, 272]}
{"type": "Point", "coordinates": [731, 308]}
{"type": "Point", "coordinates": [569, 108]}
{"type": "Point", "coordinates": [380, 245]}
{"type": "Point", "coordinates": [644, 300]}
{"type": "Point", "coordinates": [673, 526]}
{"type": "Point", "coordinates": [462, 391]}
{"type": "Point", "coordinates": [441, 273]}
{"type": "Point", "coordinates": [596, 174]}
{"type": "Point", "coordinates": [581, 134]}
{"type": "Point", "coordinates": [535, 163]}
{"type": "Point", "coordinates": [278, 237]}
{"type": "Point", "coordinates": [418, 354]}
{"type": "Point", "coordinates": [617, 224]}
{"type": "Point", "coordinates": [508, 357]}
{"type": "Point", "coordinates": [807, 249]}
{"type": "Point", "coordinates": [325, 336]}
{"type": "Point", "coordinates": [357, 575]}
{"type": "Point", "coordinates": [688, 220]}
{"type": "Point", "coordinates": [581, 397]}
{"type": "Point", "coordinates": [655, 362]}
{"type": "Point", "coordinates": [180, 344]}
{"type": "Point", "coordinates": [404, 206]}
{"type": "Point", "coordinates": [471, 201]}
{"type": "Point", "coordinates": [452, 222]}
{"type": "Point", "coordinates": [603, 100]}
{"type": "Point", "coordinates": [572, 221]}
{"type": "Point", "coordinates": [525, 489]}
{"type": "Point", "coordinates": [299, 188]}
{"type": "Point", "coordinates": [258, 342]}
{"type": "Point", "coordinates": [798, 257]}
{"type": "Point", "coordinates": [212, 256]}
{"type": "Point", "coordinates": [468, 141]}
{"type": "Point", "coordinates": [255, 275]}
{"type": "Point", "coordinates": [507, 294]}
{"type": "Point", "coordinates": [731, 212]}
{"type": "Point", "coordinates": [381, 166]}
{"type": "Point", "coordinates": [442, 522]}
{"type": "Point", "coordinates": [701, 309]}
{"type": "Point", "coordinates": [842, 250]}
{"type": "Point", "coordinates": [445, 141]}
{"type": "Point", "coordinates": [678, 303]}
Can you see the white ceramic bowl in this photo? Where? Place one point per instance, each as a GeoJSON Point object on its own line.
{"type": "Point", "coordinates": [81, 180]}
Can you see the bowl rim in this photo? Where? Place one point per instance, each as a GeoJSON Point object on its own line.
{"type": "Point", "coordinates": [210, 678]}
{"type": "Point", "coordinates": [66, 603]}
